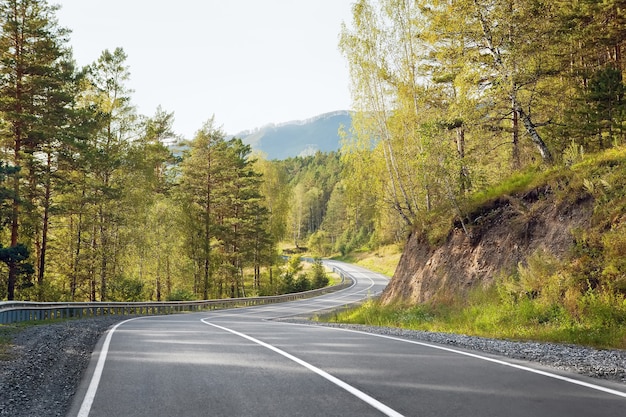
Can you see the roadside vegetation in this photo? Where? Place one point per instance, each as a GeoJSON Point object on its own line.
{"type": "Point", "coordinates": [384, 260]}
{"type": "Point", "coordinates": [579, 299]}
{"type": "Point", "coordinates": [456, 105]}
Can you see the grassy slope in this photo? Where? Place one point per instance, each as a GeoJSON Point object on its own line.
{"type": "Point", "coordinates": [578, 300]}
{"type": "Point", "coordinates": [384, 260]}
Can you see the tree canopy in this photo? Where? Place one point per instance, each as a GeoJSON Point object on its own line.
{"type": "Point", "coordinates": [449, 98]}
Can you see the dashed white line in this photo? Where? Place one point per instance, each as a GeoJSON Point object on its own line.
{"type": "Point", "coordinates": [352, 390]}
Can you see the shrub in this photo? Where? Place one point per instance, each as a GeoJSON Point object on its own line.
{"type": "Point", "coordinates": [181, 295]}
{"type": "Point", "coordinates": [319, 279]}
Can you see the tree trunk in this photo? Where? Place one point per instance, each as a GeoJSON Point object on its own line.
{"type": "Point", "coordinates": [168, 277]}
{"type": "Point", "coordinates": [271, 277]}
{"type": "Point", "coordinates": [207, 231]}
{"type": "Point", "coordinates": [196, 276]}
{"type": "Point", "coordinates": [158, 283]}
{"type": "Point", "coordinates": [15, 213]}
{"type": "Point", "coordinates": [92, 263]}
{"type": "Point", "coordinates": [74, 277]}
{"type": "Point", "coordinates": [500, 64]}
{"type": "Point", "coordinates": [104, 257]}
{"type": "Point", "coordinates": [515, 154]}
{"type": "Point", "coordinates": [534, 135]}
{"type": "Point", "coordinates": [464, 175]}
{"type": "Point", "coordinates": [46, 224]}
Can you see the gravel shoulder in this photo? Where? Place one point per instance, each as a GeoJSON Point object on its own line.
{"type": "Point", "coordinates": [43, 368]}
{"type": "Point", "coordinates": [595, 363]}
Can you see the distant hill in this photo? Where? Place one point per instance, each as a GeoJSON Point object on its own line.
{"type": "Point", "coordinates": [299, 138]}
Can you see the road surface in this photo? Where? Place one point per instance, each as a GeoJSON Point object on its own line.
{"type": "Point", "coordinates": [244, 362]}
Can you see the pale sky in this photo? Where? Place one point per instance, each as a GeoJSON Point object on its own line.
{"type": "Point", "coordinates": [248, 62]}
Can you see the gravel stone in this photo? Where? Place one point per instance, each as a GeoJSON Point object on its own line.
{"type": "Point", "coordinates": [46, 362]}
{"type": "Point", "coordinates": [596, 363]}
{"type": "Point", "coordinates": [45, 366]}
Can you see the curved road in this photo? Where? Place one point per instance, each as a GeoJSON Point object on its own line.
{"type": "Point", "coordinates": [242, 362]}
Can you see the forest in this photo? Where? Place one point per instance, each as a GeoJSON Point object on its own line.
{"type": "Point", "coordinates": [450, 99]}
{"type": "Point", "coordinates": [453, 96]}
{"type": "Point", "coordinates": [98, 202]}
{"type": "Point", "coordinates": [464, 108]}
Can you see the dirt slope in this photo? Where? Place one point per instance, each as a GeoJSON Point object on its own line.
{"type": "Point", "coordinates": [501, 235]}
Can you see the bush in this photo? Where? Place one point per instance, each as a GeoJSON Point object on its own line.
{"type": "Point", "coordinates": [319, 242]}
{"type": "Point", "coordinates": [301, 284]}
{"type": "Point", "coordinates": [181, 295]}
{"type": "Point", "coordinates": [127, 289]}
{"type": "Point", "coordinates": [319, 279]}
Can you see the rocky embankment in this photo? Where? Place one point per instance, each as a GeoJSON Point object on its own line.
{"type": "Point", "coordinates": [496, 239]}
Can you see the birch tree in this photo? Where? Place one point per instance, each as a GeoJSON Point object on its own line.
{"type": "Point", "coordinates": [117, 127]}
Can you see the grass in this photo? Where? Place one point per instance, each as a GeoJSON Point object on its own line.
{"type": "Point", "coordinates": [580, 299]}
{"type": "Point", "coordinates": [384, 260]}
{"type": "Point", "coordinates": [525, 321]}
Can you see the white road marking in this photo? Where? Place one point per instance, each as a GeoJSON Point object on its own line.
{"type": "Point", "coordinates": [311, 307]}
{"type": "Point", "coordinates": [85, 407]}
{"type": "Point", "coordinates": [352, 390]}
{"type": "Point", "coordinates": [311, 304]}
{"type": "Point", "coordinates": [485, 358]}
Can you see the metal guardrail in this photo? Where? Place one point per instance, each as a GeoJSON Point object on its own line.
{"type": "Point", "coordinates": [19, 311]}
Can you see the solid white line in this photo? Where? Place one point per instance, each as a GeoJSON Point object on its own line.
{"type": "Point", "coordinates": [85, 407]}
{"type": "Point", "coordinates": [352, 390]}
{"type": "Point", "coordinates": [310, 303]}
{"type": "Point", "coordinates": [488, 359]}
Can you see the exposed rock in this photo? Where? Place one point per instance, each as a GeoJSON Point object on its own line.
{"type": "Point", "coordinates": [501, 235]}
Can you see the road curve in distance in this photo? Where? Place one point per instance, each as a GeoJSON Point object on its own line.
{"type": "Point", "coordinates": [244, 362]}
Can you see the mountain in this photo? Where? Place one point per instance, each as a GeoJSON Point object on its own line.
{"type": "Point", "coordinates": [299, 138]}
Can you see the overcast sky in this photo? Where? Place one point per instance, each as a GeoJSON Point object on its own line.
{"type": "Point", "coordinates": [248, 62]}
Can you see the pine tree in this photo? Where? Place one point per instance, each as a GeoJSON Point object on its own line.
{"type": "Point", "coordinates": [201, 191]}
{"type": "Point", "coordinates": [35, 70]}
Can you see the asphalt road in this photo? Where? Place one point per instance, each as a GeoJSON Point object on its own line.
{"type": "Point", "coordinates": [243, 362]}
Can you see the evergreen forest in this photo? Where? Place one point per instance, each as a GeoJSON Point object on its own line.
{"type": "Point", "coordinates": [451, 99]}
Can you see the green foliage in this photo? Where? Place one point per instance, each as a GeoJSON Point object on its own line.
{"type": "Point", "coordinates": [319, 279]}
{"type": "Point", "coordinates": [294, 264]}
{"type": "Point", "coordinates": [319, 243]}
{"type": "Point", "coordinates": [291, 277]}
{"type": "Point", "coordinates": [573, 154]}
{"type": "Point", "coordinates": [180, 294]}
{"type": "Point", "coordinates": [226, 220]}
{"type": "Point", "coordinates": [599, 318]}
{"type": "Point", "coordinates": [495, 97]}
{"type": "Point", "coordinates": [457, 106]}
{"type": "Point", "coordinates": [295, 279]}
{"type": "Point", "coordinates": [127, 289]}
{"type": "Point", "coordinates": [301, 284]}
{"type": "Point", "coordinates": [97, 206]}
{"type": "Point", "coordinates": [580, 298]}
{"type": "Point", "coordinates": [312, 181]}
